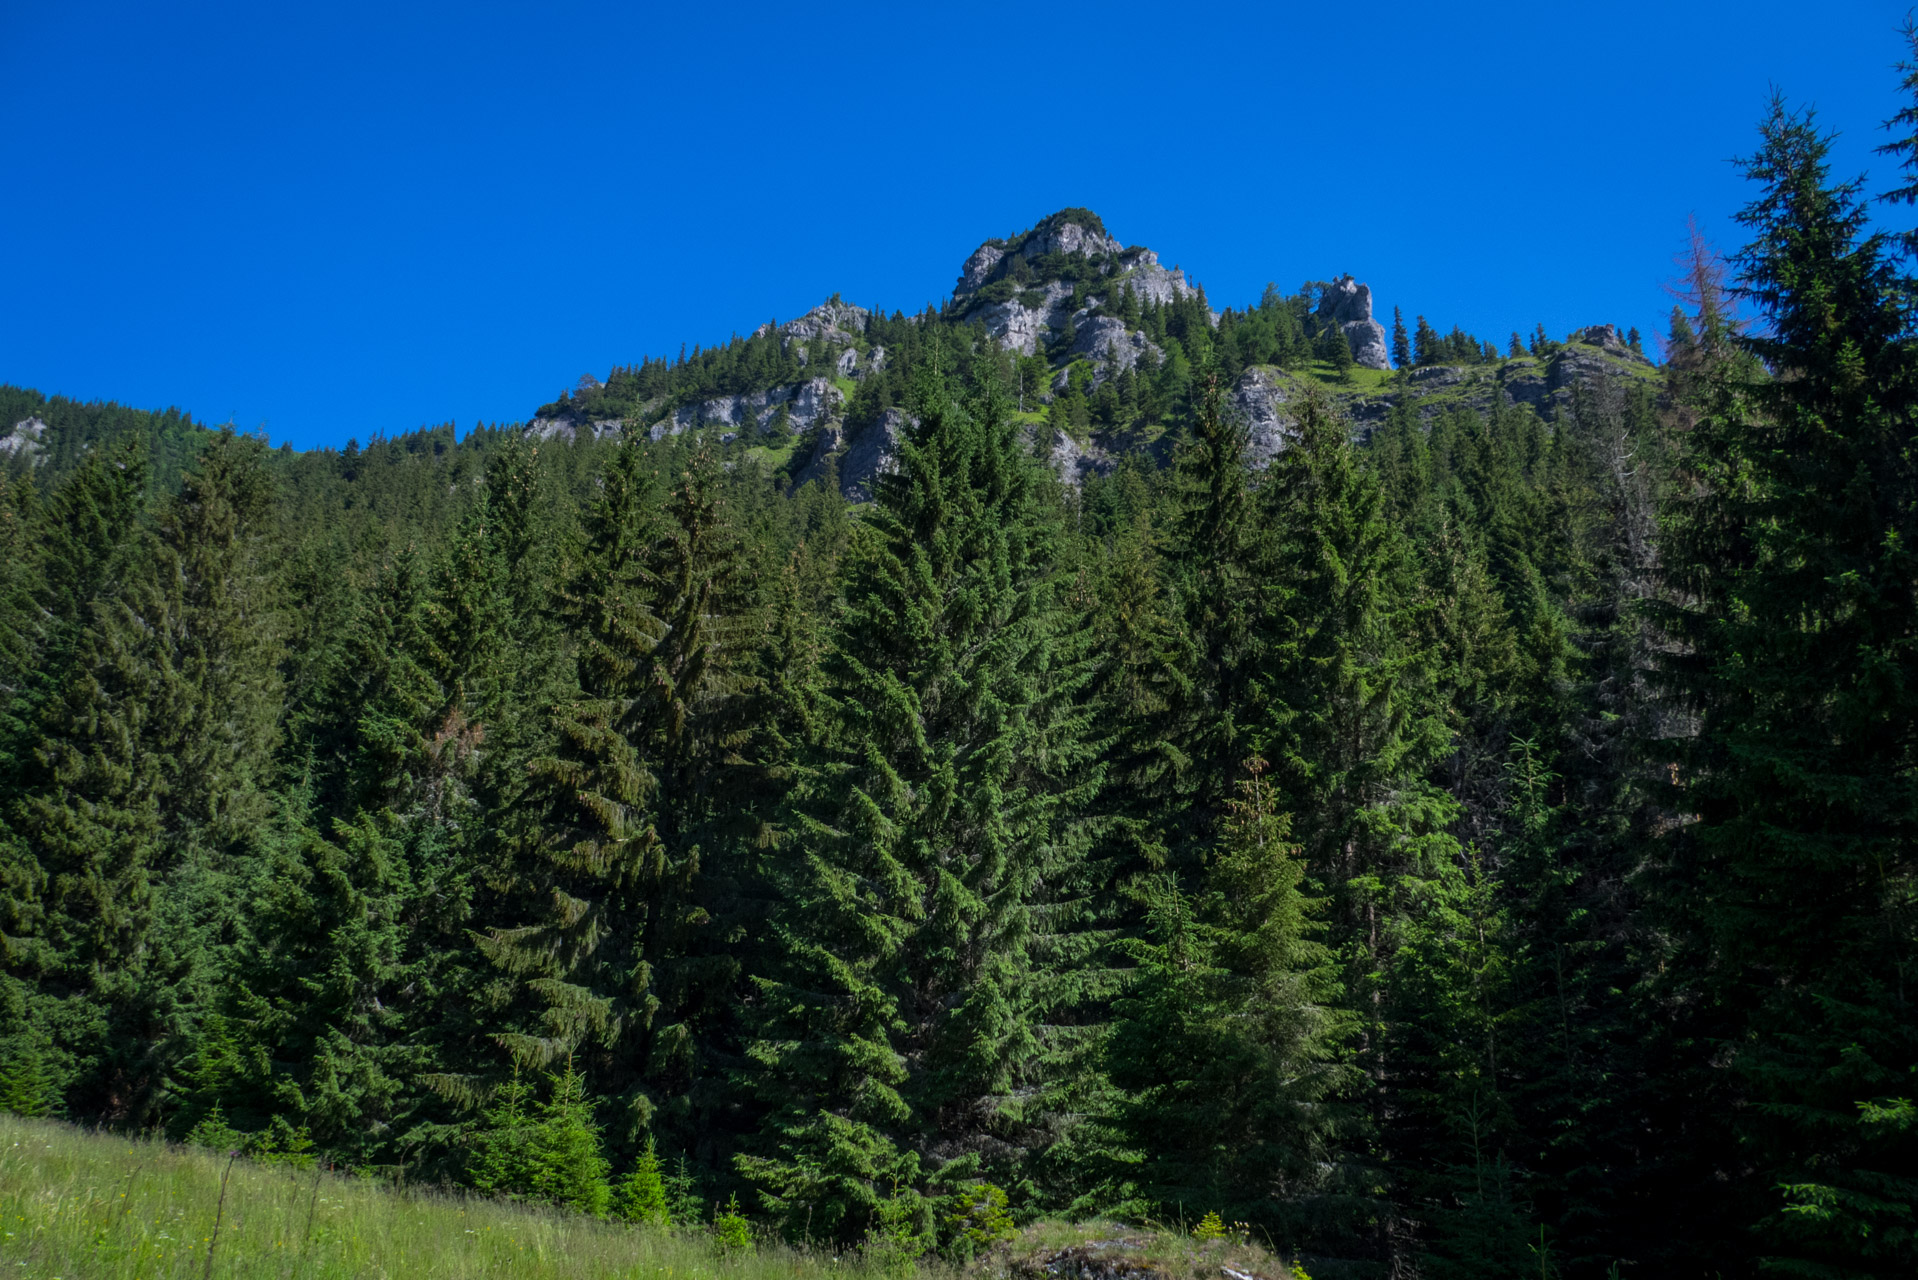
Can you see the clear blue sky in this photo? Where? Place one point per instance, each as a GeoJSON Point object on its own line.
{"type": "Point", "coordinates": [336, 220]}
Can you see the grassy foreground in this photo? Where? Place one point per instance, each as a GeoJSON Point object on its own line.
{"type": "Point", "coordinates": [80, 1206]}
{"type": "Point", "coordinates": [85, 1206]}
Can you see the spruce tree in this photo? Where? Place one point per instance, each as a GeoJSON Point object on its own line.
{"type": "Point", "coordinates": [1350, 724]}
{"type": "Point", "coordinates": [1789, 565]}
{"type": "Point", "coordinates": [902, 1023]}
{"type": "Point", "coordinates": [1218, 558]}
{"type": "Point", "coordinates": [588, 861]}
{"type": "Point", "coordinates": [1227, 1044]}
{"type": "Point", "coordinates": [1425, 344]}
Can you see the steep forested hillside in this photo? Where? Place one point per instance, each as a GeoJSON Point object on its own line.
{"type": "Point", "coordinates": [1444, 804]}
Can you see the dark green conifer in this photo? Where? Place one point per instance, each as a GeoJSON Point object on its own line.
{"type": "Point", "coordinates": [1227, 1044]}
{"type": "Point", "coordinates": [1789, 563]}
{"type": "Point", "coordinates": [902, 1023]}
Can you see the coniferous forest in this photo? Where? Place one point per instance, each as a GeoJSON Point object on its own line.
{"type": "Point", "coordinates": [1482, 844]}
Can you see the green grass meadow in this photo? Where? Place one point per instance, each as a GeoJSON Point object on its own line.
{"type": "Point", "coordinates": [81, 1206]}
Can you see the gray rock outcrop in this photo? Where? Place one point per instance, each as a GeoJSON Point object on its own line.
{"type": "Point", "coordinates": [1025, 321]}
{"type": "Point", "coordinates": [1258, 399]}
{"type": "Point", "coordinates": [1110, 345]}
{"type": "Point", "coordinates": [1348, 304]}
{"type": "Point", "coordinates": [873, 452]}
{"type": "Point", "coordinates": [1069, 237]}
{"type": "Point", "coordinates": [1074, 462]}
{"type": "Point", "coordinates": [979, 268]}
{"type": "Point", "coordinates": [1021, 327]}
{"type": "Point", "coordinates": [566, 427]}
{"type": "Point", "coordinates": [831, 321]}
{"type": "Point", "coordinates": [27, 439]}
{"type": "Point", "coordinates": [1151, 282]}
{"type": "Point", "coordinates": [807, 403]}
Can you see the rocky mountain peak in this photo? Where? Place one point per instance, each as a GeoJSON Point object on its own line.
{"type": "Point", "coordinates": [1026, 288]}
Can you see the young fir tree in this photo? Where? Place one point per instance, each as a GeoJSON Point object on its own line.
{"type": "Point", "coordinates": [74, 554]}
{"type": "Point", "coordinates": [1227, 1044]}
{"type": "Point", "coordinates": [215, 613]}
{"type": "Point", "coordinates": [641, 1195]}
{"type": "Point", "coordinates": [902, 1025]}
{"type": "Point", "coordinates": [1426, 344]}
{"type": "Point", "coordinates": [1789, 564]}
{"type": "Point", "coordinates": [1336, 350]}
{"type": "Point", "coordinates": [698, 721]}
{"type": "Point", "coordinates": [1401, 344]}
{"type": "Point", "coordinates": [549, 1152]}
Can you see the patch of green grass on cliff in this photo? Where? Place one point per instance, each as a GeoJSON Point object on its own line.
{"type": "Point", "coordinates": [76, 1204]}
{"type": "Point", "coordinates": [846, 386]}
{"type": "Point", "coordinates": [1359, 380]}
{"type": "Point", "coordinates": [776, 454]}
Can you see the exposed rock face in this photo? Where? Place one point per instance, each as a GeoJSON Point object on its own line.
{"type": "Point", "coordinates": [832, 437]}
{"type": "Point", "coordinates": [1259, 398]}
{"type": "Point", "coordinates": [568, 428]}
{"type": "Point", "coordinates": [1523, 383]}
{"type": "Point", "coordinates": [1025, 321]}
{"type": "Point", "coordinates": [831, 321]}
{"type": "Point", "coordinates": [26, 439]}
{"type": "Point", "coordinates": [1073, 461]}
{"type": "Point", "coordinates": [873, 452]}
{"type": "Point", "coordinates": [1348, 304]}
{"type": "Point", "coordinates": [1069, 237]}
{"type": "Point", "coordinates": [806, 404]}
{"type": "Point", "coordinates": [979, 268]}
{"type": "Point", "coordinates": [1111, 346]}
{"type": "Point", "coordinates": [1024, 328]}
{"type": "Point", "coordinates": [1150, 281]}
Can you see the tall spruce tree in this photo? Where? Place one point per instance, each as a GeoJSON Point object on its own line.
{"type": "Point", "coordinates": [588, 863]}
{"type": "Point", "coordinates": [1789, 567]}
{"type": "Point", "coordinates": [1350, 724]}
{"type": "Point", "coordinates": [903, 1022]}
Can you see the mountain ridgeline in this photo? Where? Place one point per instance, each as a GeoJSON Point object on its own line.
{"type": "Point", "coordinates": [1445, 805]}
{"type": "Point", "coordinates": [1100, 345]}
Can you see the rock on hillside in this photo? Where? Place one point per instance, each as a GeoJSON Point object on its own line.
{"type": "Point", "coordinates": [1261, 394]}
{"type": "Point", "coordinates": [873, 452]}
{"type": "Point", "coordinates": [832, 321]}
{"type": "Point", "coordinates": [1348, 304]}
{"type": "Point", "coordinates": [1110, 346]}
{"type": "Point", "coordinates": [1259, 398]}
{"type": "Point", "coordinates": [807, 403]}
{"type": "Point", "coordinates": [1004, 285]}
{"type": "Point", "coordinates": [27, 439]}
